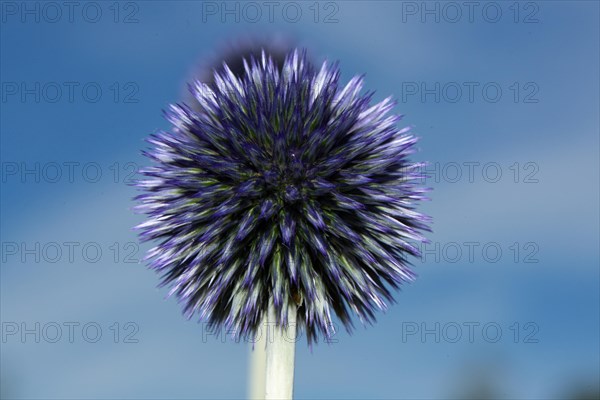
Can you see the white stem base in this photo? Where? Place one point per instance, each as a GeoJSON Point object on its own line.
{"type": "Point", "coordinates": [280, 349]}
{"type": "Point", "coordinates": [258, 365]}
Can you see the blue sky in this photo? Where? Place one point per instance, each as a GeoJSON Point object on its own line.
{"type": "Point", "coordinates": [554, 221]}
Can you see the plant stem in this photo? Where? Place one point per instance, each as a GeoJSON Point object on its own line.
{"type": "Point", "coordinates": [258, 364]}
{"type": "Point", "coordinates": [280, 349]}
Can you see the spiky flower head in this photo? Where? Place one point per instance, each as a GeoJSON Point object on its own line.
{"type": "Point", "coordinates": [285, 187]}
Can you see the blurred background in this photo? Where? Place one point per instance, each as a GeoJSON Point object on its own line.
{"type": "Point", "coordinates": [505, 98]}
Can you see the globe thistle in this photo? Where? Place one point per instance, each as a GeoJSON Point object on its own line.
{"type": "Point", "coordinates": [282, 186]}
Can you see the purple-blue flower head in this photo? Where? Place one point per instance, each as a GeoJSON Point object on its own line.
{"type": "Point", "coordinates": [281, 185]}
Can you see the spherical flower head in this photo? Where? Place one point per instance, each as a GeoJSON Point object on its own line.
{"type": "Point", "coordinates": [282, 187]}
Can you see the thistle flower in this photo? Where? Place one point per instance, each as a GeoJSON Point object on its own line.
{"type": "Point", "coordinates": [282, 186]}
